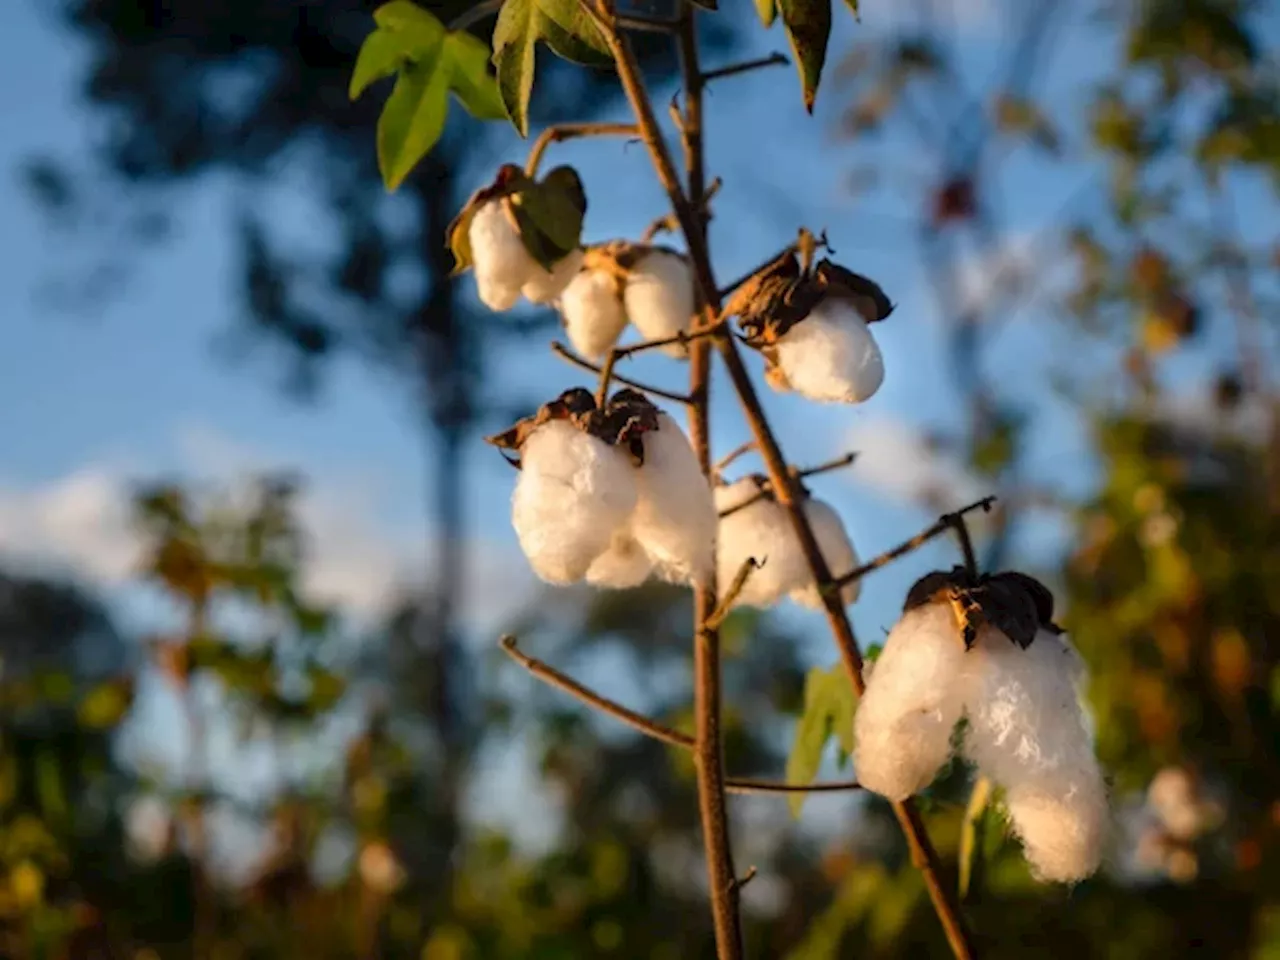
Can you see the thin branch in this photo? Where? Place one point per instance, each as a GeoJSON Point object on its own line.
{"type": "Point", "coordinates": [958, 524]}
{"type": "Point", "coordinates": [734, 454]}
{"type": "Point", "coordinates": [564, 353]}
{"type": "Point", "coordinates": [766, 490]}
{"type": "Point", "coordinates": [743, 786]}
{"type": "Point", "coordinates": [621, 353]}
{"type": "Point", "coordinates": [838, 463]}
{"type": "Point", "coordinates": [667, 223]}
{"type": "Point", "coordinates": [820, 243]}
{"type": "Point", "coordinates": [648, 26]}
{"type": "Point", "coordinates": [747, 877]}
{"type": "Point", "coordinates": [560, 132]}
{"type": "Point", "coordinates": [725, 607]}
{"type": "Point", "coordinates": [774, 59]}
{"type": "Point", "coordinates": [945, 523]}
{"type": "Point", "coordinates": [477, 13]}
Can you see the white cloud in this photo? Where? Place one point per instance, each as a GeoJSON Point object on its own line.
{"type": "Point", "coordinates": [896, 459]}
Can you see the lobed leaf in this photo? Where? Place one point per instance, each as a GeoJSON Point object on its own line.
{"type": "Point", "coordinates": [828, 706]}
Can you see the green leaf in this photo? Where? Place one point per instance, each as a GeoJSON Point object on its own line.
{"type": "Point", "coordinates": [828, 706]}
{"type": "Point", "coordinates": [550, 214]}
{"type": "Point", "coordinates": [562, 24]}
{"type": "Point", "coordinates": [471, 82]}
{"type": "Point", "coordinates": [972, 829]}
{"type": "Point", "coordinates": [411, 121]}
{"type": "Point", "coordinates": [105, 705]}
{"type": "Point", "coordinates": [808, 24]}
{"type": "Point", "coordinates": [767, 10]}
{"type": "Point", "coordinates": [380, 56]}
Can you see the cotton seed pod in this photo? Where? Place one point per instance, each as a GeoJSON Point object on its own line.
{"type": "Point", "coordinates": [623, 566]}
{"type": "Point", "coordinates": [810, 322]}
{"type": "Point", "coordinates": [913, 700]}
{"type": "Point", "coordinates": [836, 549]}
{"type": "Point", "coordinates": [675, 517]}
{"type": "Point", "coordinates": [546, 286]}
{"type": "Point", "coordinates": [1062, 833]}
{"type": "Point", "coordinates": [502, 263]}
{"type": "Point", "coordinates": [754, 526]}
{"type": "Point", "coordinates": [592, 313]}
{"type": "Point", "coordinates": [659, 297]}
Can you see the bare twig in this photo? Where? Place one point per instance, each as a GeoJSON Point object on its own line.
{"type": "Point", "coordinates": [837, 463]}
{"type": "Point", "coordinates": [766, 490]}
{"type": "Point", "coordinates": [621, 353]}
{"type": "Point", "coordinates": [957, 523]}
{"type": "Point", "coordinates": [475, 14]}
{"type": "Point", "coordinates": [564, 353]}
{"type": "Point", "coordinates": [747, 877]}
{"type": "Point", "coordinates": [734, 454]}
{"type": "Point", "coordinates": [560, 132]}
{"type": "Point", "coordinates": [667, 223]}
{"type": "Point", "coordinates": [774, 59]}
{"type": "Point", "coordinates": [725, 607]}
{"type": "Point", "coordinates": [951, 521]}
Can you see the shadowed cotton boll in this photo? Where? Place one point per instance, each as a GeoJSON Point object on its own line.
{"type": "Point", "coordinates": [763, 531]}
{"type": "Point", "coordinates": [544, 286]}
{"type": "Point", "coordinates": [675, 518]}
{"type": "Point", "coordinates": [902, 729]}
{"type": "Point", "coordinates": [837, 550]}
{"type": "Point", "coordinates": [593, 314]}
{"type": "Point", "coordinates": [831, 356]}
{"type": "Point", "coordinates": [502, 263]}
{"type": "Point", "coordinates": [1029, 732]}
{"type": "Point", "coordinates": [574, 493]}
{"type": "Point", "coordinates": [659, 298]}
{"type": "Point", "coordinates": [623, 565]}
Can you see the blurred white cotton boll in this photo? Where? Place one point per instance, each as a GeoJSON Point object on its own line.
{"type": "Point", "coordinates": [1062, 833]}
{"type": "Point", "coordinates": [659, 298]}
{"type": "Point", "coordinates": [624, 565]}
{"type": "Point", "coordinates": [574, 492]}
{"type": "Point", "coordinates": [1172, 796]}
{"type": "Point", "coordinates": [544, 286]}
{"type": "Point", "coordinates": [592, 312]}
{"type": "Point", "coordinates": [501, 262]}
{"type": "Point", "coordinates": [902, 729]}
{"type": "Point", "coordinates": [675, 518]}
{"type": "Point", "coordinates": [836, 548]}
{"type": "Point", "coordinates": [831, 356]}
{"type": "Point", "coordinates": [763, 531]}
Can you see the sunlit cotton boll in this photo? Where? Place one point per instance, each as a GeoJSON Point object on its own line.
{"type": "Point", "coordinates": [624, 565]}
{"type": "Point", "coordinates": [837, 550]}
{"type": "Point", "coordinates": [830, 356]}
{"type": "Point", "coordinates": [675, 518]}
{"type": "Point", "coordinates": [501, 262]}
{"type": "Point", "coordinates": [761, 531]}
{"type": "Point", "coordinates": [592, 313]}
{"type": "Point", "coordinates": [544, 285]}
{"type": "Point", "coordinates": [574, 492]}
{"type": "Point", "coordinates": [1029, 731]}
{"type": "Point", "coordinates": [659, 298]}
{"type": "Point", "coordinates": [902, 729]}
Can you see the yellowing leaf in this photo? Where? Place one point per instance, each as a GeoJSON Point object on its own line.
{"type": "Point", "coordinates": [808, 24]}
{"type": "Point", "coordinates": [767, 11]}
{"type": "Point", "coordinates": [828, 707]}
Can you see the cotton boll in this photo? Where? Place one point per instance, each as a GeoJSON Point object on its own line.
{"type": "Point", "coordinates": [763, 531]}
{"type": "Point", "coordinates": [659, 298]}
{"type": "Point", "coordinates": [675, 518]}
{"type": "Point", "coordinates": [544, 286]}
{"type": "Point", "coordinates": [913, 700]}
{"type": "Point", "coordinates": [831, 356]}
{"type": "Point", "coordinates": [1062, 833]}
{"type": "Point", "coordinates": [574, 493]}
{"type": "Point", "coordinates": [592, 312]}
{"type": "Point", "coordinates": [623, 565]}
{"type": "Point", "coordinates": [1172, 796]}
{"type": "Point", "coordinates": [837, 550]}
{"type": "Point", "coordinates": [502, 263]}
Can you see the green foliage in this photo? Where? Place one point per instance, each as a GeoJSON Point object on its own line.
{"type": "Point", "coordinates": [808, 24]}
{"type": "Point", "coordinates": [429, 62]}
{"type": "Point", "coordinates": [828, 709]}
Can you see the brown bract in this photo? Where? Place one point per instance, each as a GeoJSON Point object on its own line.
{"type": "Point", "coordinates": [619, 258]}
{"type": "Point", "coordinates": [1015, 604]}
{"type": "Point", "coordinates": [622, 422]}
{"type": "Point", "coordinates": [784, 292]}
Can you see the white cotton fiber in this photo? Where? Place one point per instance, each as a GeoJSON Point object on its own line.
{"type": "Point", "coordinates": [659, 298]}
{"type": "Point", "coordinates": [592, 313]}
{"type": "Point", "coordinates": [763, 531]}
{"type": "Point", "coordinates": [831, 356]}
{"type": "Point", "coordinates": [574, 493]}
{"type": "Point", "coordinates": [913, 700]}
{"type": "Point", "coordinates": [1029, 731]}
{"type": "Point", "coordinates": [501, 262]}
{"type": "Point", "coordinates": [623, 565]}
{"type": "Point", "coordinates": [675, 518]}
{"type": "Point", "coordinates": [837, 550]}
{"type": "Point", "coordinates": [544, 286]}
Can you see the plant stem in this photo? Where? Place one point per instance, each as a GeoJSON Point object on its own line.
{"type": "Point", "coordinates": [564, 353]}
{"type": "Point", "coordinates": [783, 481]}
{"type": "Point", "coordinates": [560, 132]}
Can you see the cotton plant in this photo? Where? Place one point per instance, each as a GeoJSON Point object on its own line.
{"type": "Point", "coordinates": [609, 494]}
{"type": "Point", "coordinates": [621, 282]}
{"type": "Point", "coordinates": [753, 525]}
{"type": "Point", "coordinates": [986, 649]}
{"type": "Point", "coordinates": [811, 323]}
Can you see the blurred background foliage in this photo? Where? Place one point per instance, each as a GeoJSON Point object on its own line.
{"type": "Point", "coordinates": [362, 845]}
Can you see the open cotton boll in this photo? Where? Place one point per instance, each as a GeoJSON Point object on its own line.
{"type": "Point", "coordinates": [574, 493]}
{"type": "Point", "coordinates": [659, 298]}
{"type": "Point", "coordinates": [837, 550]}
{"type": "Point", "coordinates": [675, 518]}
{"type": "Point", "coordinates": [544, 286]}
{"type": "Point", "coordinates": [501, 262]}
{"type": "Point", "coordinates": [593, 314]}
{"type": "Point", "coordinates": [763, 531]}
{"type": "Point", "coordinates": [902, 729]}
{"type": "Point", "coordinates": [1062, 833]}
{"type": "Point", "coordinates": [623, 565]}
{"type": "Point", "coordinates": [831, 356]}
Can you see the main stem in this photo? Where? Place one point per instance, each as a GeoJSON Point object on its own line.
{"type": "Point", "coordinates": [708, 743]}
{"type": "Point", "coordinates": [784, 483]}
